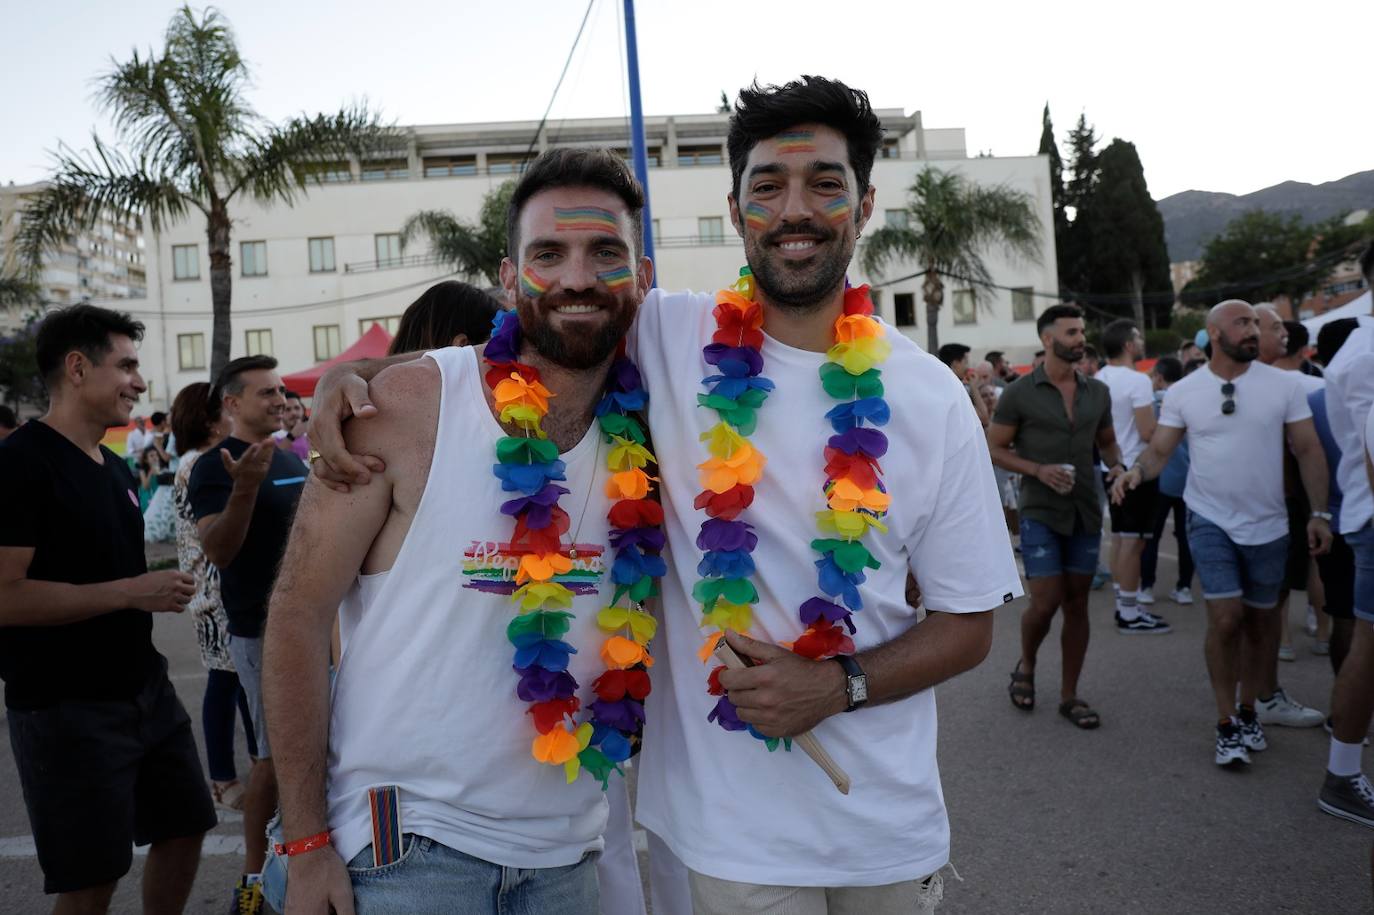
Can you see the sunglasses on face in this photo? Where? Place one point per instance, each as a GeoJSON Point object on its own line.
{"type": "Point", "coordinates": [1228, 406]}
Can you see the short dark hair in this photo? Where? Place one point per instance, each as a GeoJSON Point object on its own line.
{"type": "Point", "coordinates": [1193, 365]}
{"type": "Point", "coordinates": [230, 380]}
{"type": "Point", "coordinates": [1039, 353]}
{"type": "Point", "coordinates": [589, 166]}
{"type": "Point", "coordinates": [7, 418]}
{"type": "Point", "coordinates": [86, 328]}
{"type": "Point", "coordinates": [1298, 337]}
{"type": "Point", "coordinates": [442, 312]}
{"type": "Point", "coordinates": [194, 414]}
{"type": "Point", "coordinates": [951, 353]}
{"type": "Point", "coordinates": [1169, 368]}
{"type": "Point", "coordinates": [1332, 337]}
{"type": "Point", "coordinates": [763, 112]}
{"type": "Point", "coordinates": [995, 356]}
{"type": "Point", "coordinates": [1089, 352]}
{"type": "Point", "coordinates": [292, 395]}
{"type": "Point", "coordinates": [1054, 313]}
{"type": "Point", "coordinates": [158, 418]}
{"type": "Point", "coordinates": [1367, 264]}
{"type": "Point", "coordinates": [1116, 335]}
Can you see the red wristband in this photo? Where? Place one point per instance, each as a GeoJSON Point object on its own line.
{"type": "Point", "coordinates": [301, 846]}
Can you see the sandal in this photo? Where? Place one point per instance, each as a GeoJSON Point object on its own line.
{"type": "Point", "coordinates": [1080, 713]}
{"type": "Point", "coordinates": [228, 795]}
{"type": "Point", "coordinates": [1022, 689]}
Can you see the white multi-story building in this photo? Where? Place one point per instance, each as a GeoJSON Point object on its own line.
{"type": "Point", "coordinates": [308, 280]}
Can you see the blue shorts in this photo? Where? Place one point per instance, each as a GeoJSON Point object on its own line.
{"type": "Point", "coordinates": [1362, 545]}
{"type": "Point", "coordinates": [1228, 569]}
{"type": "Point", "coordinates": [1045, 552]}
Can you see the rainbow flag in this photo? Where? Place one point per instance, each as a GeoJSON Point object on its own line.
{"type": "Point", "coordinates": [584, 219]}
{"type": "Point", "coordinates": [756, 215]}
{"type": "Point", "coordinates": [837, 210]}
{"type": "Point", "coordinates": [795, 141]}
{"type": "Point", "coordinates": [491, 567]}
{"type": "Point", "coordinates": [614, 279]}
{"type": "Point", "coordinates": [117, 439]}
{"type": "Point", "coordinates": [532, 283]}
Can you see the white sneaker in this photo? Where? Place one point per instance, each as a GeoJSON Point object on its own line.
{"type": "Point", "coordinates": [1281, 710]}
{"type": "Point", "coordinates": [1230, 747]}
{"type": "Point", "coordinates": [1145, 596]}
{"type": "Point", "coordinates": [1311, 625]}
{"type": "Point", "coordinates": [1183, 596]}
{"type": "Point", "coordinates": [1286, 653]}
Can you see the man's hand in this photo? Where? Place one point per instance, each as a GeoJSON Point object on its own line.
{"type": "Point", "coordinates": [168, 591]}
{"type": "Point", "coordinates": [317, 883]}
{"type": "Point", "coordinates": [1318, 536]}
{"type": "Point", "coordinates": [251, 468]}
{"type": "Point", "coordinates": [784, 694]}
{"type": "Point", "coordinates": [1056, 478]}
{"type": "Point", "coordinates": [1124, 484]}
{"type": "Point", "coordinates": [340, 394]}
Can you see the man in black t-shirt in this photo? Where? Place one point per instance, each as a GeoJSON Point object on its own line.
{"type": "Point", "coordinates": [104, 749]}
{"type": "Point", "coordinates": [243, 494]}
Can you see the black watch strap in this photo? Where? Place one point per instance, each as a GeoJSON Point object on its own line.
{"type": "Point", "coordinates": [853, 672]}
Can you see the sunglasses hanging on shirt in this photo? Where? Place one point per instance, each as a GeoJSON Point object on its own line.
{"type": "Point", "coordinates": [1228, 406]}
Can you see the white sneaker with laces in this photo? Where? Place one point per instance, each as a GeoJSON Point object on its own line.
{"type": "Point", "coordinates": [1281, 710]}
{"type": "Point", "coordinates": [1183, 596]}
{"type": "Point", "coordinates": [1145, 596]}
{"type": "Point", "coordinates": [1230, 747]}
{"type": "Point", "coordinates": [1311, 624]}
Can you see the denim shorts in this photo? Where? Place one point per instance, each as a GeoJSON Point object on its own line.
{"type": "Point", "coordinates": [1045, 552]}
{"type": "Point", "coordinates": [1362, 545]}
{"type": "Point", "coordinates": [1228, 569]}
{"type": "Point", "coordinates": [247, 657]}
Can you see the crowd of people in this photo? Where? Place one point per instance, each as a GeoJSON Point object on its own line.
{"type": "Point", "coordinates": [454, 603]}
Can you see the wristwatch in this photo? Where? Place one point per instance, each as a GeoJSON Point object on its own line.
{"type": "Point", "coordinates": [856, 681]}
{"type": "Point", "coordinates": [1325, 516]}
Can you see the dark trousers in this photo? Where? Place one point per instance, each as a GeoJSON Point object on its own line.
{"type": "Point", "coordinates": [224, 699]}
{"type": "Point", "coordinates": [1150, 558]}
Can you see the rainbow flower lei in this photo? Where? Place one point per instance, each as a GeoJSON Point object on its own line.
{"type": "Point", "coordinates": [856, 499]}
{"type": "Point", "coordinates": [529, 466]}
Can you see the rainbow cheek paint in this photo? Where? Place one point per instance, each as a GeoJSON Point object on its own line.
{"type": "Point", "coordinates": [532, 284]}
{"type": "Point", "coordinates": [757, 216]}
{"type": "Point", "coordinates": [616, 279]}
{"type": "Point", "coordinates": [837, 210]}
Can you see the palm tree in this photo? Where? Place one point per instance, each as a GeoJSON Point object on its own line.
{"type": "Point", "coordinates": [193, 142]}
{"type": "Point", "coordinates": [475, 250]}
{"type": "Point", "coordinates": [950, 220]}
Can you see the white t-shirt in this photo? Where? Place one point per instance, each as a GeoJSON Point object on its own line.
{"type": "Point", "coordinates": [1130, 391]}
{"type": "Point", "coordinates": [138, 440]}
{"type": "Point", "coordinates": [724, 804]}
{"type": "Point", "coordinates": [1235, 475]}
{"type": "Point", "coordinates": [1349, 399]}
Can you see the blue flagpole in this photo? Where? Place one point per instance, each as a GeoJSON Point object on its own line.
{"type": "Point", "coordinates": [638, 148]}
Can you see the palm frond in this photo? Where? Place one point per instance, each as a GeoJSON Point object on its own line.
{"type": "Point", "coordinates": [17, 290]}
{"type": "Point", "coordinates": [286, 159]}
{"type": "Point", "coordinates": [456, 243]}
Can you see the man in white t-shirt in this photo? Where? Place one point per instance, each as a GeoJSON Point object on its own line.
{"type": "Point", "coordinates": [140, 437]}
{"type": "Point", "coordinates": [1133, 521]}
{"type": "Point", "coordinates": [1236, 413]}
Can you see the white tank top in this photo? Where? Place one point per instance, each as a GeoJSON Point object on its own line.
{"type": "Point", "coordinates": [424, 696]}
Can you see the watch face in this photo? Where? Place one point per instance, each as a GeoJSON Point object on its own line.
{"type": "Point", "coordinates": [858, 690]}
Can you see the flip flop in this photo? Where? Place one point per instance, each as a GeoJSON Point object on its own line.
{"type": "Point", "coordinates": [1080, 713]}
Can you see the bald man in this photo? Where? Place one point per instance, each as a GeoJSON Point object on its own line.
{"type": "Point", "coordinates": [1237, 413]}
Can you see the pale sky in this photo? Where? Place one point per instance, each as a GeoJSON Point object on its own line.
{"type": "Point", "coordinates": [1216, 96]}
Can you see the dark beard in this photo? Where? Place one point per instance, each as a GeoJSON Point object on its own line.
{"type": "Point", "coordinates": [1068, 353]}
{"type": "Point", "coordinates": [580, 352]}
{"type": "Point", "coordinates": [1236, 350]}
{"type": "Point", "coordinates": [802, 293]}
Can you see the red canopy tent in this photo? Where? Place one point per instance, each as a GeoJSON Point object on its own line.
{"type": "Point", "coordinates": [370, 345]}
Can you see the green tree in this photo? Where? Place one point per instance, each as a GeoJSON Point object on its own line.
{"type": "Point", "coordinates": [1258, 256]}
{"type": "Point", "coordinates": [950, 221]}
{"type": "Point", "coordinates": [192, 142]}
{"type": "Point", "coordinates": [19, 379]}
{"type": "Point", "coordinates": [1122, 235]}
{"type": "Point", "coordinates": [1075, 257]}
{"type": "Point", "coordinates": [1048, 147]}
{"type": "Point", "coordinates": [475, 250]}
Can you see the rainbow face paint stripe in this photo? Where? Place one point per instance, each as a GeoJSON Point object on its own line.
{"type": "Point", "coordinates": [615, 279]}
{"type": "Point", "coordinates": [796, 141]}
{"type": "Point", "coordinates": [757, 216]}
{"type": "Point", "coordinates": [837, 210]}
{"type": "Point", "coordinates": [532, 284]}
{"type": "Point", "coordinates": [584, 219]}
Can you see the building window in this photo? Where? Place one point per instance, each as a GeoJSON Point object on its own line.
{"type": "Point", "coordinates": [388, 247]}
{"type": "Point", "coordinates": [507, 163]}
{"type": "Point", "coordinates": [711, 230]}
{"type": "Point", "coordinates": [905, 305]}
{"type": "Point", "coordinates": [897, 219]}
{"type": "Point", "coordinates": [699, 155]}
{"type": "Point", "coordinates": [259, 342]}
{"type": "Point", "coordinates": [185, 262]}
{"type": "Point", "coordinates": [1023, 304]}
{"type": "Point", "coordinates": [191, 351]}
{"type": "Point", "coordinates": [447, 166]}
{"type": "Point", "coordinates": [654, 229]}
{"type": "Point", "coordinates": [963, 307]}
{"type": "Point", "coordinates": [253, 258]}
{"type": "Point", "coordinates": [321, 255]}
{"type": "Point", "coordinates": [329, 172]}
{"type": "Point", "coordinates": [890, 150]}
{"type": "Point", "coordinates": [326, 342]}
{"type": "Point", "coordinates": [386, 169]}
{"type": "Point", "coordinates": [651, 155]}
{"type": "Point", "coordinates": [390, 324]}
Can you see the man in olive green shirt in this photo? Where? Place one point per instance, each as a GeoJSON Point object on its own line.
{"type": "Point", "coordinates": [1044, 428]}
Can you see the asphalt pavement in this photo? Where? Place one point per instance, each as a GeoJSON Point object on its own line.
{"type": "Point", "coordinates": [1131, 818]}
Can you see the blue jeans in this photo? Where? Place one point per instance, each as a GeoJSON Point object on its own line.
{"type": "Point", "coordinates": [1254, 573]}
{"type": "Point", "coordinates": [1046, 553]}
{"type": "Point", "coordinates": [433, 878]}
{"type": "Point", "coordinates": [1362, 545]}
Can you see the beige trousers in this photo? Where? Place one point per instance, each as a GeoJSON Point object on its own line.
{"type": "Point", "coordinates": [713, 896]}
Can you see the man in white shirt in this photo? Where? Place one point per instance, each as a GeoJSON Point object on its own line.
{"type": "Point", "coordinates": [1133, 521]}
{"type": "Point", "coordinates": [140, 437]}
{"type": "Point", "coordinates": [1236, 413]}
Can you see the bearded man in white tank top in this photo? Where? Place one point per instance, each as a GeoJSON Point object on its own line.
{"type": "Point", "coordinates": [410, 785]}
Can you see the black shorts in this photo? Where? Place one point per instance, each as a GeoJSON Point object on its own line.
{"type": "Point", "coordinates": [1337, 569]}
{"type": "Point", "coordinates": [100, 777]}
{"type": "Point", "coordinates": [1295, 576]}
{"type": "Point", "coordinates": [1135, 516]}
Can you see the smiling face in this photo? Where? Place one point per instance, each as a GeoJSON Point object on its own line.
{"type": "Point", "coordinates": [257, 411]}
{"type": "Point", "coordinates": [800, 212]}
{"type": "Point", "coordinates": [107, 390]}
{"type": "Point", "coordinates": [579, 280]}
